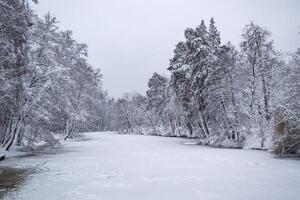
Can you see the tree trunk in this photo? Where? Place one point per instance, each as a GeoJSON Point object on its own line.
{"type": "Point", "coordinates": [266, 98]}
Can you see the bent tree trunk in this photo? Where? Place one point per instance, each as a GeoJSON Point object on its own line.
{"type": "Point", "coordinates": [188, 123]}
{"type": "Point", "coordinates": [13, 130]}
{"type": "Point", "coordinates": [172, 124]}
{"type": "Point", "coordinates": [70, 128]}
{"type": "Point", "coordinates": [203, 125]}
{"type": "Point", "coordinates": [150, 120]}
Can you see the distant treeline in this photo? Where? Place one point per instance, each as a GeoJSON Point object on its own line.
{"type": "Point", "coordinates": [223, 95]}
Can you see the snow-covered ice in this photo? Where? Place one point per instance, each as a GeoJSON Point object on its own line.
{"type": "Point", "coordinates": [131, 167]}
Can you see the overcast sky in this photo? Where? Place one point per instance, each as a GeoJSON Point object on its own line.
{"type": "Point", "coordinates": [131, 39]}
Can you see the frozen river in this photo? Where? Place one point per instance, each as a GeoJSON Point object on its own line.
{"type": "Point", "coordinates": [130, 167]}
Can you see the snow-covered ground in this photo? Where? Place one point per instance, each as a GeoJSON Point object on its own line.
{"type": "Point", "coordinates": [130, 167]}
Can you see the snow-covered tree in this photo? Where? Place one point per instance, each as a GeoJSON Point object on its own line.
{"type": "Point", "coordinates": [161, 100]}
{"type": "Point", "coordinates": [15, 22]}
{"type": "Point", "coordinates": [47, 85]}
{"type": "Point", "coordinates": [259, 59]}
{"type": "Point", "coordinates": [292, 92]}
{"type": "Point", "coordinates": [192, 67]}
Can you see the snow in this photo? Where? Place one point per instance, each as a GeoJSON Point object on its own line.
{"type": "Point", "coordinates": [114, 167]}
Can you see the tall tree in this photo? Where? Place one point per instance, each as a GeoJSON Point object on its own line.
{"type": "Point", "coordinates": [258, 60]}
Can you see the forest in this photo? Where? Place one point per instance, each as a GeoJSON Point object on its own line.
{"type": "Point", "coordinates": [47, 87]}
{"type": "Point", "coordinates": [223, 123]}
{"type": "Point", "coordinates": [225, 96]}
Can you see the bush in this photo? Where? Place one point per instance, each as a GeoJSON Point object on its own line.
{"type": "Point", "coordinates": [287, 132]}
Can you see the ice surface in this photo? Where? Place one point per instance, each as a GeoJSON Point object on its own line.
{"type": "Point", "coordinates": [131, 167]}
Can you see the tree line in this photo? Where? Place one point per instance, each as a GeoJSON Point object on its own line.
{"type": "Point", "coordinates": [223, 95]}
{"type": "Point", "coordinates": [47, 87]}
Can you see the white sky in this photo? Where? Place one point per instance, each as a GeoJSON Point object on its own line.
{"type": "Point", "coordinates": [131, 39]}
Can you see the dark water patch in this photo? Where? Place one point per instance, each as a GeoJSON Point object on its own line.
{"type": "Point", "coordinates": [43, 150]}
{"type": "Point", "coordinates": [11, 179]}
{"type": "Point", "coordinates": [287, 156]}
{"type": "Point", "coordinates": [83, 139]}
